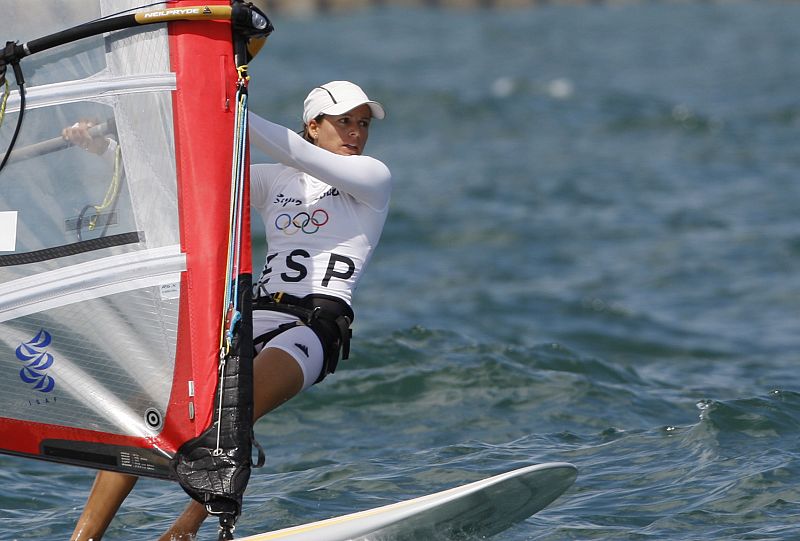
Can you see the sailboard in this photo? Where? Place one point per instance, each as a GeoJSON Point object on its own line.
{"type": "Point", "coordinates": [476, 510]}
{"type": "Point", "coordinates": [124, 278]}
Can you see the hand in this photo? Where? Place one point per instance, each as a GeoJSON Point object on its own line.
{"type": "Point", "coordinates": [78, 134]}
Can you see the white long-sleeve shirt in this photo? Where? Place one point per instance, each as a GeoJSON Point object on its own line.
{"type": "Point", "coordinates": [323, 212]}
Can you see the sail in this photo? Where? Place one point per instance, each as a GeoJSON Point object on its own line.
{"type": "Point", "coordinates": [113, 267]}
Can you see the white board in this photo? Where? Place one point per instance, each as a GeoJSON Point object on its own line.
{"type": "Point", "coordinates": [483, 508]}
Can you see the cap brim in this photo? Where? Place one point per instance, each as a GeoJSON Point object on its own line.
{"type": "Point", "coordinates": [347, 106]}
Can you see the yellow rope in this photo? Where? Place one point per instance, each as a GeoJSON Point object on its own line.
{"type": "Point", "coordinates": [113, 188]}
{"type": "Point", "coordinates": [3, 104]}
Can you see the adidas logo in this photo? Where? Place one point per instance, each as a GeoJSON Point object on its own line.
{"type": "Point", "coordinates": [302, 348]}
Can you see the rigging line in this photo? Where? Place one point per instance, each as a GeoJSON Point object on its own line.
{"type": "Point", "coordinates": [227, 307]}
{"type": "Point", "coordinates": [231, 301]}
{"type": "Point", "coordinates": [221, 384]}
{"type": "Point", "coordinates": [113, 189]}
{"type": "Point", "coordinates": [231, 313]}
{"type": "Point", "coordinates": [110, 199]}
{"type": "Point", "coordinates": [119, 172]}
{"type": "Point", "coordinates": [241, 139]}
{"type": "Point", "coordinates": [6, 93]}
{"type": "Point", "coordinates": [240, 152]}
{"type": "Point", "coordinates": [21, 84]}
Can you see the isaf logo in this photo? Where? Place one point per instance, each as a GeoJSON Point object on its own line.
{"type": "Point", "coordinates": [37, 360]}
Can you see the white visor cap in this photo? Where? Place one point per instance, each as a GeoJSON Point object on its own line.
{"type": "Point", "coordinates": [337, 98]}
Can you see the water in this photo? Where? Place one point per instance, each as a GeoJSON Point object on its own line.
{"type": "Point", "coordinates": [592, 256]}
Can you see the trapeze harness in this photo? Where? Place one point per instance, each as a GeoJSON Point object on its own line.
{"type": "Point", "coordinates": [328, 316]}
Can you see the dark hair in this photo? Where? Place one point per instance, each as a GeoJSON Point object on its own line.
{"type": "Point", "coordinates": [304, 131]}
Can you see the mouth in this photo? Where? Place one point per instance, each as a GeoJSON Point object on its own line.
{"type": "Point", "coordinates": [353, 149]}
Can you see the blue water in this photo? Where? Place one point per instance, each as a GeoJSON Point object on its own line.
{"type": "Point", "coordinates": [592, 256]}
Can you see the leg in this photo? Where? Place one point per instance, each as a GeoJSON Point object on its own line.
{"type": "Point", "coordinates": [186, 526]}
{"type": "Point", "coordinates": [276, 378]}
{"type": "Point", "coordinates": [108, 492]}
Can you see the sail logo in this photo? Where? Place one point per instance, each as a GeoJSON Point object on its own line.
{"type": "Point", "coordinates": [37, 360]}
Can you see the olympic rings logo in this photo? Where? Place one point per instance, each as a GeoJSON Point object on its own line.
{"type": "Point", "coordinates": [302, 221]}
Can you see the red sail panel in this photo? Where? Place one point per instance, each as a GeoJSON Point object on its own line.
{"type": "Point", "coordinates": [203, 113]}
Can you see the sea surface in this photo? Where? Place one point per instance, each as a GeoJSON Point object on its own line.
{"type": "Point", "coordinates": [592, 256]}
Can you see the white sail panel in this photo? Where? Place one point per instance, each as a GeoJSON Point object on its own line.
{"type": "Point", "coordinates": [89, 292]}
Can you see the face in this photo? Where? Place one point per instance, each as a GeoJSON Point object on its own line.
{"type": "Point", "coordinates": [343, 134]}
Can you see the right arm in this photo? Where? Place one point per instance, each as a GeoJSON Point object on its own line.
{"type": "Point", "coordinates": [363, 177]}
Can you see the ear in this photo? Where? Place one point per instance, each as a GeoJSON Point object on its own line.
{"type": "Point", "coordinates": [313, 128]}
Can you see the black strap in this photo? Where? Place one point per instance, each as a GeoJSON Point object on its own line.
{"type": "Point", "coordinates": [328, 316]}
{"type": "Point", "coordinates": [262, 457]}
{"type": "Point", "coordinates": [345, 333]}
{"type": "Point", "coordinates": [267, 336]}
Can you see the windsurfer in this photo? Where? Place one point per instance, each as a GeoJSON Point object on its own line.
{"type": "Point", "coordinates": [325, 188]}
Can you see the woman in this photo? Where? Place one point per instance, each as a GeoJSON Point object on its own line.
{"type": "Point", "coordinates": [324, 205]}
